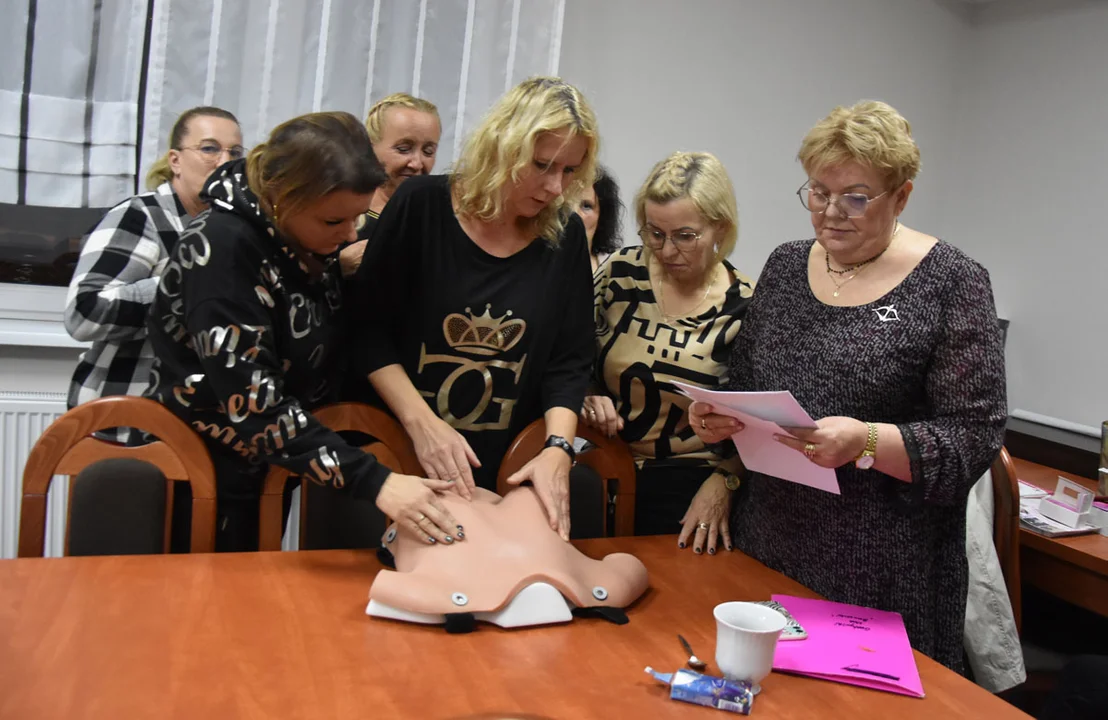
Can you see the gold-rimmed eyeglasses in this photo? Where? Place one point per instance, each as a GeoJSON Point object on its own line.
{"type": "Point", "coordinates": [851, 205]}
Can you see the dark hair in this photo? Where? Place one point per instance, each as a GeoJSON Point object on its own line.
{"type": "Point", "coordinates": [609, 225]}
{"type": "Point", "coordinates": [160, 172]}
{"type": "Point", "coordinates": [311, 156]}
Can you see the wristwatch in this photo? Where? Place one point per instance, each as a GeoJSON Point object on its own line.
{"type": "Point", "coordinates": [560, 442]}
{"type": "Point", "coordinates": [731, 481]}
{"type": "Point", "coordinates": [869, 455]}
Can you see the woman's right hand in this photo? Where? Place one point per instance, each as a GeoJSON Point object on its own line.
{"type": "Point", "coordinates": [709, 426]}
{"type": "Point", "coordinates": [413, 503]}
{"type": "Point", "coordinates": [444, 453]}
{"type": "Point", "coordinates": [599, 412]}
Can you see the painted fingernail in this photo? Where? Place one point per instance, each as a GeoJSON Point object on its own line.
{"type": "Point", "coordinates": [711, 551]}
{"type": "Point", "coordinates": [461, 535]}
{"type": "Point", "coordinates": [681, 545]}
{"type": "Point", "coordinates": [431, 541]}
{"type": "Point", "coordinates": [449, 539]}
{"type": "Point", "coordinates": [698, 551]}
{"type": "Point", "coordinates": [729, 548]}
{"type": "Point", "coordinates": [460, 528]}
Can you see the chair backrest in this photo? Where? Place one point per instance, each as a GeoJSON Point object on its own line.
{"type": "Point", "coordinates": [117, 507]}
{"type": "Point", "coordinates": [611, 459]}
{"type": "Point", "coordinates": [391, 446]}
{"type": "Point", "coordinates": [67, 447]}
{"type": "Point", "coordinates": [1006, 526]}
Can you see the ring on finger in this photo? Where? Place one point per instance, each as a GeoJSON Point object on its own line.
{"type": "Point", "coordinates": [702, 526]}
{"type": "Point", "coordinates": [703, 424]}
{"type": "Point", "coordinates": [420, 518]}
{"type": "Point", "coordinates": [809, 450]}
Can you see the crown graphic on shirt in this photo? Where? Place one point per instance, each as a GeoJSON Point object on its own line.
{"type": "Point", "coordinates": [482, 334]}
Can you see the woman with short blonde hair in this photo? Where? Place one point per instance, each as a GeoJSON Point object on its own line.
{"type": "Point", "coordinates": [668, 311]}
{"type": "Point", "coordinates": [405, 131]}
{"type": "Point", "coordinates": [476, 296]}
{"type": "Point", "coordinates": [890, 337]}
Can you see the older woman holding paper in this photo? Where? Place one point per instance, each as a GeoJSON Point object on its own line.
{"type": "Point", "coordinates": [667, 312]}
{"type": "Point", "coordinates": [890, 337]}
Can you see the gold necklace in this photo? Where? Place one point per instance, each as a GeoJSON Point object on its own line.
{"type": "Point", "coordinates": [856, 268]}
{"type": "Point", "coordinates": [661, 299]}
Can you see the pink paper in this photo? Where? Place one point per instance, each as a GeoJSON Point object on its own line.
{"type": "Point", "coordinates": [850, 644]}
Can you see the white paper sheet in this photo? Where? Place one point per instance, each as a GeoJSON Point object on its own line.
{"type": "Point", "coordinates": [766, 414]}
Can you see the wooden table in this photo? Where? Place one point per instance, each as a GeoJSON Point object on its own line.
{"type": "Point", "coordinates": [285, 635]}
{"type": "Point", "coordinates": [1075, 568]}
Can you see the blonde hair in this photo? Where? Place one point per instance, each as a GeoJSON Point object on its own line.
{"type": "Point", "coordinates": [870, 132]}
{"type": "Point", "coordinates": [308, 157]}
{"type": "Point", "coordinates": [503, 145]}
{"type": "Point", "coordinates": [160, 172]}
{"type": "Point", "coordinates": [701, 177]}
{"type": "Point", "coordinates": [375, 120]}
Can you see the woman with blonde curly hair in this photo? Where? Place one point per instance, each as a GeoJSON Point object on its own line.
{"type": "Point", "coordinates": [890, 337]}
{"type": "Point", "coordinates": [477, 296]}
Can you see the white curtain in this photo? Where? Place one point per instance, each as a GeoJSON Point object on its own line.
{"type": "Point", "coordinates": [84, 83]}
{"type": "Point", "coordinates": [69, 79]}
{"type": "Point", "coordinates": [270, 60]}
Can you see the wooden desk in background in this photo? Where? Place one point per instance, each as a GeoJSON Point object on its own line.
{"type": "Point", "coordinates": [284, 635]}
{"type": "Point", "coordinates": [1074, 569]}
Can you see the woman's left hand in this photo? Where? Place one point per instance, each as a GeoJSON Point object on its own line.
{"type": "Point", "coordinates": [835, 442]}
{"type": "Point", "coordinates": [706, 518]}
{"type": "Point", "coordinates": [549, 473]}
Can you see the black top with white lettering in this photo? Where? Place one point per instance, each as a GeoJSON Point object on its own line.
{"type": "Point", "coordinates": [245, 335]}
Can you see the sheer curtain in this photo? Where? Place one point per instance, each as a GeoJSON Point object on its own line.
{"type": "Point", "coordinates": [270, 60]}
{"type": "Point", "coordinates": [69, 85]}
{"type": "Point", "coordinates": [89, 90]}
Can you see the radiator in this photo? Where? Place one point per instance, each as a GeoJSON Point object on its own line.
{"type": "Point", "coordinates": [23, 418]}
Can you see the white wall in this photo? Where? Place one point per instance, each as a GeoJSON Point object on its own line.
{"type": "Point", "coordinates": [1030, 190]}
{"type": "Point", "coordinates": [746, 79]}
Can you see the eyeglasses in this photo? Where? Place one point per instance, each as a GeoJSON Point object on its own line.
{"type": "Point", "coordinates": [852, 205]}
{"type": "Point", "coordinates": [212, 150]}
{"type": "Point", "coordinates": [655, 239]}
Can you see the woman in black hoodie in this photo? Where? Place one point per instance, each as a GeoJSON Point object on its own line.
{"type": "Point", "coordinates": [245, 326]}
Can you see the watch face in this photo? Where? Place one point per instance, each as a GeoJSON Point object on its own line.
{"type": "Point", "coordinates": [865, 462]}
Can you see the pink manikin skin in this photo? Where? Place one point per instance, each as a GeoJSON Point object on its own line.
{"type": "Point", "coordinates": [508, 545]}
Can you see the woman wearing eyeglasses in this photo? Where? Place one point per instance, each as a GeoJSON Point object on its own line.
{"type": "Point", "coordinates": [890, 337]}
{"type": "Point", "coordinates": [121, 259]}
{"type": "Point", "coordinates": [668, 311]}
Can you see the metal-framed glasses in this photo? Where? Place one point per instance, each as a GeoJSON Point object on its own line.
{"type": "Point", "coordinates": [212, 150]}
{"type": "Point", "coordinates": [852, 205]}
{"type": "Point", "coordinates": [655, 239]}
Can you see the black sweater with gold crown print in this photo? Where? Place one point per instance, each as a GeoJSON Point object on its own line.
{"type": "Point", "coordinates": [245, 337]}
{"type": "Point", "coordinates": [492, 343]}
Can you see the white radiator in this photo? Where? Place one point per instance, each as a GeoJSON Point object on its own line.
{"type": "Point", "coordinates": [23, 418]}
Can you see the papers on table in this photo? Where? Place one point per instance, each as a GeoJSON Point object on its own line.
{"type": "Point", "coordinates": [766, 414]}
{"type": "Point", "coordinates": [1027, 490]}
{"type": "Point", "coordinates": [850, 644]}
{"type": "Point", "coordinates": [1036, 522]}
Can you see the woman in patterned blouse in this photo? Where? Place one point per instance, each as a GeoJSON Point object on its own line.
{"type": "Point", "coordinates": [891, 337]}
{"type": "Point", "coordinates": [668, 311]}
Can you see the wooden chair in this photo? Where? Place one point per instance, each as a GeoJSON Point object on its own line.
{"type": "Point", "coordinates": [611, 459]}
{"type": "Point", "coordinates": [392, 447]}
{"type": "Point", "coordinates": [67, 447]}
{"type": "Point", "coordinates": [1006, 527]}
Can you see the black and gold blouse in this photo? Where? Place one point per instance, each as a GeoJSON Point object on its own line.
{"type": "Point", "coordinates": [640, 352]}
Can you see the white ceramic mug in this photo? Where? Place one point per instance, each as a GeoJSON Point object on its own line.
{"type": "Point", "coordinates": [746, 638]}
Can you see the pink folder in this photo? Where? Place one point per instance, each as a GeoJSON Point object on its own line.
{"type": "Point", "coordinates": [849, 644]}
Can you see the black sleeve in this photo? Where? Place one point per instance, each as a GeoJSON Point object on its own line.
{"type": "Point", "coordinates": [967, 395]}
{"type": "Point", "coordinates": [567, 373]}
{"type": "Point", "coordinates": [231, 330]}
{"type": "Point", "coordinates": [387, 280]}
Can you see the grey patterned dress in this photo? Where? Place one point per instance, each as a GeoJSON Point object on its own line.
{"type": "Point", "coordinates": [926, 357]}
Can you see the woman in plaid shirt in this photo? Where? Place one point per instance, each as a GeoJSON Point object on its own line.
{"type": "Point", "coordinates": [122, 258]}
